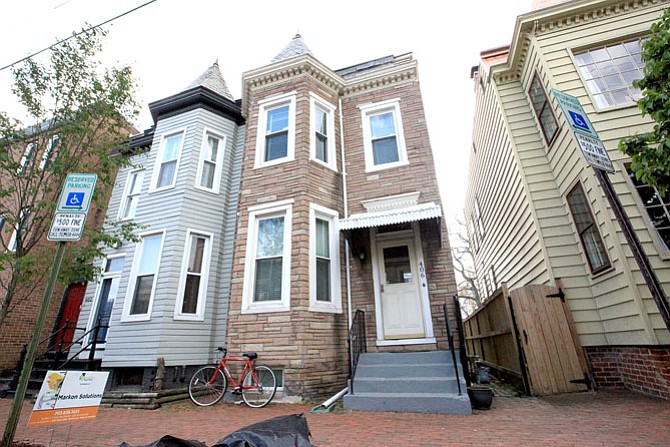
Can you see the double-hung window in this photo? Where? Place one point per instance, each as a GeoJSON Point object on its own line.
{"type": "Point", "coordinates": [543, 111]}
{"type": "Point", "coordinates": [324, 267]}
{"type": "Point", "coordinates": [131, 195]}
{"type": "Point", "coordinates": [194, 277]}
{"type": "Point", "coordinates": [268, 259]}
{"type": "Point", "coordinates": [657, 207]}
{"type": "Point", "coordinates": [143, 277]}
{"type": "Point", "coordinates": [587, 230]}
{"type": "Point", "coordinates": [609, 71]}
{"type": "Point", "coordinates": [48, 152]}
{"type": "Point", "coordinates": [211, 160]}
{"type": "Point", "coordinates": [25, 159]}
{"type": "Point", "coordinates": [20, 229]}
{"type": "Point", "coordinates": [167, 161]}
{"type": "Point", "coordinates": [322, 145]}
{"type": "Point", "coordinates": [383, 135]}
{"type": "Point", "coordinates": [276, 130]}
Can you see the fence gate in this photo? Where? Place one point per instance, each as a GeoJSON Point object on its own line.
{"type": "Point", "coordinates": [528, 333]}
{"type": "Point", "coordinates": [552, 360]}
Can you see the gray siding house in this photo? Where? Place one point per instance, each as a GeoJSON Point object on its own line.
{"type": "Point", "coordinates": [166, 296]}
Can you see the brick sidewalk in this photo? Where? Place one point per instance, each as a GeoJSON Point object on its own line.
{"type": "Point", "coordinates": [587, 419]}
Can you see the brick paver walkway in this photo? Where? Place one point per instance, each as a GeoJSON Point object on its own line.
{"type": "Point", "coordinates": [587, 419]}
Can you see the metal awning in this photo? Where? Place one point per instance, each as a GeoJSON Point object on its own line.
{"type": "Point", "coordinates": [394, 216]}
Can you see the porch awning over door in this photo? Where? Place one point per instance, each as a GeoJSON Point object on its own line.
{"type": "Point", "coordinates": [413, 213]}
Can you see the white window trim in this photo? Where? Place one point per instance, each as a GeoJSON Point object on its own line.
{"type": "Point", "coordinates": [48, 152]}
{"type": "Point", "coordinates": [128, 301]}
{"type": "Point", "coordinates": [219, 161]}
{"type": "Point", "coordinates": [98, 290]}
{"type": "Point", "coordinates": [25, 158]}
{"type": "Point", "coordinates": [316, 101]}
{"type": "Point", "coordinates": [199, 314]}
{"type": "Point", "coordinates": [159, 161]}
{"type": "Point", "coordinates": [335, 305]}
{"type": "Point", "coordinates": [126, 192]}
{"type": "Point", "coordinates": [256, 213]}
{"type": "Point", "coordinates": [372, 109]}
{"type": "Point", "coordinates": [263, 106]}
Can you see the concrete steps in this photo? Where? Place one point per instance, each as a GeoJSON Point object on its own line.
{"type": "Point", "coordinates": [418, 382]}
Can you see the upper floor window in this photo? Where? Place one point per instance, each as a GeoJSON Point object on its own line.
{"type": "Point", "coordinates": [587, 230]}
{"type": "Point", "coordinates": [276, 130]}
{"type": "Point", "coordinates": [194, 277]}
{"type": "Point", "coordinates": [48, 152]}
{"type": "Point", "coordinates": [383, 135]}
{"type": "Point", "coordinates": [142, 283]}
{"type": "Point", "coordinates": [609, 71]}
{"type": "Point", "coordinates": [131, 194]}
{"type": "Point", "coordinates": [20, 230]}
{"type": "Point", "coordinates": [211, 161]}
{"type": "Point", "coordinates": [324, 260]}
{"type": "Point", "coordinates": [657, 207]}
{"type": "Point", "coordinates": [268, 259]}
{"type": "Point", "coordinates": [167, 161]}
{"type": "Point", "coordinates": [543, 111]}
{"type": "Point", "coordinates": [323, 132]}
{"type": "Point", "coordinates": [25, 159]}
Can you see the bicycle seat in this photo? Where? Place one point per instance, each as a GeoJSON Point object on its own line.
{"type": "Point", "coordinates": [250, 355]}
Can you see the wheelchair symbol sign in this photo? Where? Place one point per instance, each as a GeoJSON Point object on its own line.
{"type": "Point", "coordinates": [579, 121]}
{"type": "Point", "coordinates": [75, 199]}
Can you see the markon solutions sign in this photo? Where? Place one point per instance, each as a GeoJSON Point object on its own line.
{"type": "Point", "coordinates": [587, 138]}
{"type": "Point", "coordinates": [68, 396]}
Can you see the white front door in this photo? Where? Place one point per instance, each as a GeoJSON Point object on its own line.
{"type": "Point", "coordinates": [401, 304]}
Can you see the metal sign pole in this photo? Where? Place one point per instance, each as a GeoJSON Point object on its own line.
{"type": "Point", "coordinates": [654, 285]}
{"type": "Point", "coordinates": [15, 412]}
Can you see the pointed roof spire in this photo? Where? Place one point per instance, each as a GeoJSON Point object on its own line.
{"type": "Point", "coordinates": [296, 47]}
{"type": "Point", "coordinates": [213, 80]}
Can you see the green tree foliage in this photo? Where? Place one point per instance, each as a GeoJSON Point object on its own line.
{"type": "Point", "coordinates": [77, 117]}
{"type": "Point", "coordinates": [650, 152]}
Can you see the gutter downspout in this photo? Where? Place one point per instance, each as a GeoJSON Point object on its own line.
{"type": "Point", "coordinates": [346, 214]}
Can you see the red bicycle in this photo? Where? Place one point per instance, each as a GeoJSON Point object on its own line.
{"type": "Point", "coordinates": [257, 384]}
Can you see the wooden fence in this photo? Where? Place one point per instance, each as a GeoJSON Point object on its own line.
{"type": "Point", "coordinates": [527, 333]}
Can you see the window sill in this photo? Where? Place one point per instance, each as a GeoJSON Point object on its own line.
{"type": "Point", "coordinates": [385, 166]}
{"type": "Point", "coordinates": [163, 188]}
{"type": "Point", "coordinates": [135, 318]}
{"type": "Point", "coordinates": [325, 308]}
{"type": "Point", "coordinates": [207, 190]}
{"type": "Point", "coordinates": [275, 162]}
{"type": "Point", "coordinates": [265, 309]}
{"type": "Point", "coordinates": [180, 317]}
{"type": "Point", "coordinates": [325, 165]}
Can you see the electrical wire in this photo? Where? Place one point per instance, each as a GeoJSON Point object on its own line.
{"type": "Point", "coordinates": [77, 34]}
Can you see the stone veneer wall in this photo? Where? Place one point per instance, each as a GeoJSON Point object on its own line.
{"type": "Point", "coordinates": [310, 347]}
{"type": "Point", "coordinates": [644, 369]}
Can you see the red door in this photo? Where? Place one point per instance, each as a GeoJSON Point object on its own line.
{"type": "Point", "coordinates": [71, 307]}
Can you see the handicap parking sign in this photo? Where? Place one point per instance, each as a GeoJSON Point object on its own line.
{"type": "Point", "coordinates": [579, 121]}
{"type": "Point", "coordinates": [75, 199]}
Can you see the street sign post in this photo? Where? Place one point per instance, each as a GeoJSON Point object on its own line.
{"type": "Point", "coordinates": [585, 134]}
{"type": "Point", "coordinates": [77, 193]}
{"type": "Point", "coordinates": [73, 204]}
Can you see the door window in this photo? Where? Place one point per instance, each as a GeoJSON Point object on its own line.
{"type": "Point", "coordinates": [397, 265]}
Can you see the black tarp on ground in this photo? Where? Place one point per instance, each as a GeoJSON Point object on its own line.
{"type": "Point", "coordinates": [169, 441]}
{"type": "Point", "coordinates": [282, 431]}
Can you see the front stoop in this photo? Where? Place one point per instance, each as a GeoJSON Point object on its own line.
{"type": "Point", "coordinates": [413, 382]}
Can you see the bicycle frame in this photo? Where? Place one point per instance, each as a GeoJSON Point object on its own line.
{"type": "Point", "coordinates": [223, 368]}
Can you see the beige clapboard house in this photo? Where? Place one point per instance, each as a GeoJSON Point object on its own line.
{"type": "Point", "coordinates": [535, 210]}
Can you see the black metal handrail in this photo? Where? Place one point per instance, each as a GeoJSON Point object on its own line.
{"type": "Point", "coordinates": [461, 339]}
{"type": "Point", "coordinates": [92, 344]}
{"type": "Point", "coordinates": [357, 345]}
{"type": "Point", "coordinates": [450, 337]}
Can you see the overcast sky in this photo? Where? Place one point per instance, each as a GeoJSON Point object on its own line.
{"type": "Point", "coordinates": [169, 43]}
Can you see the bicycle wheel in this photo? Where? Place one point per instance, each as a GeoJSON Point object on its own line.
{"type": "Point", "coordinates": [259, 387]}
{"type": "Point", "coordinates": [207, 386]}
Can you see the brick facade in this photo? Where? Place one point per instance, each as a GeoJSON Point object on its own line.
{"type": "Point", "coordinates": [645, 369]}
{"type": "Point", "coordinates": [310, 347]}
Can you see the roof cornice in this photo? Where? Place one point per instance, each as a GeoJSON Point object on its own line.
{"type": "Point", "coordinates": [403, 68]}
{"type": "Point", "coordinates": [193, 98]}
{"type": "Point", "coordinates": [564, 15]}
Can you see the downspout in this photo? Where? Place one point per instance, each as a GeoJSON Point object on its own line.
{"type": "Point", "coordinates": [346, 214]}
